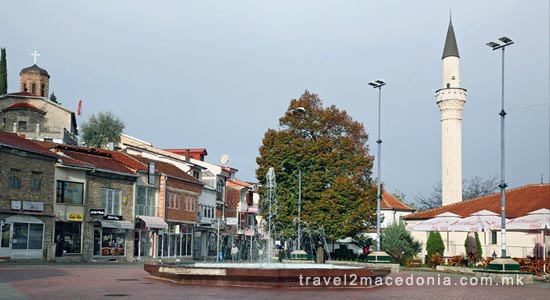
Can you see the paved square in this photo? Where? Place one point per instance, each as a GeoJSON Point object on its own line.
{"type": "Point", "coordinates": [129, 281]}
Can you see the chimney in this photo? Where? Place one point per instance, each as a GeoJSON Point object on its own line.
{"type": "Point", "coordinates": [187, 153]}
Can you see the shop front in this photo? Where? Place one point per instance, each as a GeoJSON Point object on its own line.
{"type": "Point", "coordinates": [146, 235]}
{"type": "Point", "coordinates": [111, 238]}
{"type": "Point", "coordinates": [22, 237]}
{"type": "Point", "coordinates": [176, 241]}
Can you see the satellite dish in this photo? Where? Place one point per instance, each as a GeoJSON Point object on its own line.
{"type": "Point", "coordinates": [224, 159]}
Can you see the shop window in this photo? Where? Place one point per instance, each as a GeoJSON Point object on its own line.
{"type": "Point", "coordinates": [5, 243]}
{"type": "Point", "coordinates": [70, 192]}
{"type": "Point", "coordinates": [36, 180]}
{"type": "Point", "coordinates": [109, 241]}
{"type": "Point", "coordinates": [68, 238]}
{"type": "Point", "coordinates": [27, 236]}
{"type": "Point", "coordinates": [110, 201]}
{"type": "Point", "coordinates": [14, 179]}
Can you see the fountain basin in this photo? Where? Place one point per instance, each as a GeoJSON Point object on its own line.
{"type": "Point", "coordinates": [269, 275]}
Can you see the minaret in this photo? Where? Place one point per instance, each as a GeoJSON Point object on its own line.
{"type": "Point", "coordinates": [451, 99]}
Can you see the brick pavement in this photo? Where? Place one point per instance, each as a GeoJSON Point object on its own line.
{"type": "Point", "coordinates": [129, 281]}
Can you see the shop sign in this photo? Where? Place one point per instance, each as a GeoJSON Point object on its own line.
{"type": "Point", "coordinates": [253, 209]}
{"type": "Point", "coordinates": [151, 173]}
{"type": "Point", "coordinates": [97, 211]}
{"type": "Point", "coordinates": [112, 217]}
{"type": "Point", "coordinates": [15, 204]}
{"type": "Point", "coordinates": [35, 206]}
{"type": "Point", "coordinates": [75, 217]}
{"type": "Point", "coordinates": [231, 221]}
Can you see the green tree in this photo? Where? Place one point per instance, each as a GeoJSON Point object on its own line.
{"type": "Point", "coordinates": [435, 244]}
{"type": "Point", "coordinates": [53, 98]}
{"type": "Point", "coordinates": [101, 130]}
{"type": "Point", "coordinates": [3, 73]}
{"type": "Point", "coordinates": [398, 242]}
{"type": "Point", "coordinates": [330, 150]}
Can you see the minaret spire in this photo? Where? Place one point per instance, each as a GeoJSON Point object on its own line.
{"type": "Point", "coordinates": [450, 48]}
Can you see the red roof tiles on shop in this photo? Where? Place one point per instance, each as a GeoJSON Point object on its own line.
{"type": "Point", "coordinates": [14, 141]}
{"type": "Point", "coordinates": [519, 202]}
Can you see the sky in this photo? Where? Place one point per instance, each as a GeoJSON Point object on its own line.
{"type": "Point", "coordinates": [219, 74]}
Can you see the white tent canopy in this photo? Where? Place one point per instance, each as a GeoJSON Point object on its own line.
{"type": "Point", "coordinates": [535, 220]}
{"type": "Point", "coordinates": [440, 222]}
{"type": "Point", "coordinates": [482, 220]}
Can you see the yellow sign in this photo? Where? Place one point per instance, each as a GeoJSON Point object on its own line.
{"type": "Point", "coordinates": [75, 217]}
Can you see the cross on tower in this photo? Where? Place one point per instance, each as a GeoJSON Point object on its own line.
{"type": "Point", "coordinates": [35, 55]}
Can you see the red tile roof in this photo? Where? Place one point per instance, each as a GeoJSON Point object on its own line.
{"type": "Point", "coordinates": [14, 141]}
{"type": "Point", "coordinates": [23, 105]}
{"type": "Point", "coordinates": [390, 202]}
{"type": "Point", "coordinates": [519, 202]}
{"type": "Point", "coordinates": [238, 183]}
{"type": "Point", "coordinates": [167, 168]}
{"type": "Point", "coordinates": [98, 158]}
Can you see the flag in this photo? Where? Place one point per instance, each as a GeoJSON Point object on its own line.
{"type": "Point", "coordinates": [79, 111]}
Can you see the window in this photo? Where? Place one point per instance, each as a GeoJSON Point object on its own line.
{"type": "Point", "coordinates": [27, 236]}
{"type": "Point", "coordinates": [494, 235]}
{"type": "Point", "coordinates": [14, 179]}
{"type": "Point", "coordinates": [219, 187]}
{"type": "Point", "coordinates": [33, 89]}
{"type": "Point", "coordinates": [22, 126]}
{"type": "Point", "coordinates": [67, 237]}
{"type": "Point", "coordinates": [42, 90]}
{"type": "Point", "coordinates": [110, 201]}
{"type": "Point", "coordinates": [36, 179]}
{"type": "Point", "coordinates": [172, 200]}
{"type": "Point", "coordinates": [145, 201]}
{"type": "Point", "coordinates": [109, 241]}
{"type": "Point", "coordinates": [25, 88]}
{"type": "Point", "coordinates": [70, 192]}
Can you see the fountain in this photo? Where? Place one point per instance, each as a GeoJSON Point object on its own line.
{"type": "Point", "coordinates": [266, 273]}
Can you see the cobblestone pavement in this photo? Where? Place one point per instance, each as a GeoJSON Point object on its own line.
{"type": "Point", "coordinates": [129, 281]}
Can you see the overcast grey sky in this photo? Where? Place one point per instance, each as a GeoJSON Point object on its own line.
{"type": "Point", "coordinates": [218, 74]}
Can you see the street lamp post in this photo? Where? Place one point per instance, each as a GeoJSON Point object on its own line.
{"type": "Point", "coordinates": [299, 207]}
{"type": "Point", "coordinates": [505, 42]}
{"type": "Point", "coordinates": [378, 84]}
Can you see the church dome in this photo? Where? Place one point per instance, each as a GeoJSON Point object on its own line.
{"type": "Point", "coordinates": [35, 69]}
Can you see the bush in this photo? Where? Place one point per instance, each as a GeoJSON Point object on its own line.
{"type": "Point", "coordinates": [479, 253]}
{"type": "Point", "coordinates": [435, 244]}
{"type": "Point", "coordinates": [398, 242]}
{"type": "Point", "coordinates": [343, 253]}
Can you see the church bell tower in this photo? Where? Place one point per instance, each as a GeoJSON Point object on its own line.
{"type": "Point", "coordinates": [451, 99]}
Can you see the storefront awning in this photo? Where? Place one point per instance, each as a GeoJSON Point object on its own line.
{"type": "Point", "coordinates": [116, 224]}
{"type": "Point", "coordinates": [153, 222]}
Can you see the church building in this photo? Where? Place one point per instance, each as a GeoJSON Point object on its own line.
{"type": "Point", "coordinates": [30, 114]}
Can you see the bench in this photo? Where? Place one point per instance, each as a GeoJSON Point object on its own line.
{"type": "Point", "coordinates": [413, 263]}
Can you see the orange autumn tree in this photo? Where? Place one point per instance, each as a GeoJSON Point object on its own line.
{"type": "Point", "coordinates": [331, 150]}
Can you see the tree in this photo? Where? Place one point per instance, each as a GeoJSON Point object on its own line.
{"type": "Point", "coordinates": [53, 98]}
{"type": "Point", "coordinates": [101, 130]}
{"type": "Point", "coordinates": [330, 150]}
{"type": "Point", "coordinates": [471, 188]}
{"type": "Point", "coordinates": [479, 253]}
{"type": "Point", "coordinates": [3, 73]}
{"type": "Point", "coordinates": [398, 242]}
{"type": "Point", "coordinates": [435, 244]}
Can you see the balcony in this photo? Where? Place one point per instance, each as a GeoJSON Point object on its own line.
{"type": "Point", "coordinates": [144, 210]}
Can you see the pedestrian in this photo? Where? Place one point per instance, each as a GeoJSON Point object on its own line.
{"type": "Point", "coordinates": [234, 251]}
